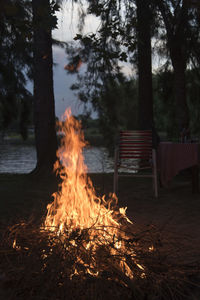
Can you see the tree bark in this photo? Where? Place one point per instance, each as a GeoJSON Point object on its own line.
{"type": "Point", "coordinates": [177, 28]}
{"type": "Point", "coordinates": [180, 93]}
{"type": "Point", "coordinates": [144, 64]}
{"type": "Point", "coordinates": [44, 104]}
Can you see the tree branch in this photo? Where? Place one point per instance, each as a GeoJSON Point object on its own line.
{"type": "Point", "coordinates": [167, 16]}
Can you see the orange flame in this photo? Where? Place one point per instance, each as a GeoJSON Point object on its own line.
{"type": "Point", "coordinates": [76, 205]}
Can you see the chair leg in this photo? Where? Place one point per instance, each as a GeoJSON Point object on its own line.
{"type": "Point", "coordinates": [155, 175]}
{"type": "Point", "coordinates": [156, 186]}
{"type": "Point", "coordinates": [115, 189]}
{"type": "Point", "coordinates": [115, 183]}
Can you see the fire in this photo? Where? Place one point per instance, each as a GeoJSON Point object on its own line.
{"type": "Point", "coordinates": [76, 205]}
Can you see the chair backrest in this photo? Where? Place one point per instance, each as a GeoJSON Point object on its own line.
{"type": "Point", "coordinates": [136, 145]}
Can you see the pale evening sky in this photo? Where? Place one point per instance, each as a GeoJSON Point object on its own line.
{"type": "Point", "coordinates": [66, 31]}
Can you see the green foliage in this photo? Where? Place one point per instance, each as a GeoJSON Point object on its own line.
{"type": "Point", "coordinates": [46, 17]}
{"type": "Point", "coordinates": [103, 84]}
{"type": "Point", "coordinates": [16, 52]}
{"type": "Point", "coordinates": [117, 108]}
{"type": "Point", "coordinates": [116, 104]}
{"type": "Point", "coordinates": [15, 63]}
{"type": "Point", "coordinates": [165, 106]}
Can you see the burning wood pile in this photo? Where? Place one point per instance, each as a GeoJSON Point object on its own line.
{"type": "Point", "coordinates": [86, 247]}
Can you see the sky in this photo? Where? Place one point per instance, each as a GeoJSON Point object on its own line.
{"type": "Point", "coordinates": [67, 28]}
{"type": "Point", "coordinates": [64, 96]}
{"type": "Point", "coordinates": [66, 31]}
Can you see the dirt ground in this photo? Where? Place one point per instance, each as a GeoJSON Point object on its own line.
{"type": "Point", "coordinates": [175, 212]}
{"type": "Point", "coordinates": [174, 215]}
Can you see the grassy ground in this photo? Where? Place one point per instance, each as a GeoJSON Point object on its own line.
{"type": "Point", "coordinates": [175, 213]}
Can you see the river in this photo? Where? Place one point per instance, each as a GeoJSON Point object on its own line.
{"type": "Point", "coordinates": [22, 159]}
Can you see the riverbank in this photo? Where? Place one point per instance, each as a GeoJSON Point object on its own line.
{"type": "Point", "coordinates": [94, 139]}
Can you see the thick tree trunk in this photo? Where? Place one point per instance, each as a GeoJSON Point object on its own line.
{"type": "Point", "coordinates": [44, 106]}
{"type": "Point", "coordinates": [144, 64]}
{"type": "Point", "coordinates": [177, 27]}
{"type": "Point", "coordinates": [180, 94]}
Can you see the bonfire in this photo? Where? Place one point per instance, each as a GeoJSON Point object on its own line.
{"type": "Point", "coordinates": [86, 247]}
{"type": "Point", "coordinates": [77, 208]}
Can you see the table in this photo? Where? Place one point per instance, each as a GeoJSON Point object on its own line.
{"type": "Point", "coordinates": [174, 157]}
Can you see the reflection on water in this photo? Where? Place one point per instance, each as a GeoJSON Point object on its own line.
{"type": "Point", "coordinates": [97, 160]}
{"type": "Point", "coordinates": [17, 158]}
{"type": "Point", "coordinates": [22, 159]}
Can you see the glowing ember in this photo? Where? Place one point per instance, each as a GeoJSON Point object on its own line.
{"type": "Point", "coordinates": [76, 205]}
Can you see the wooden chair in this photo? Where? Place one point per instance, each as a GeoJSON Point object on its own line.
{"type": "Point", "coordinates": [135, 149]}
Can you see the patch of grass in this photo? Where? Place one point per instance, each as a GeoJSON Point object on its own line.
{"type": "Point", "coordinates": [23, 196]}
{"type": "Point", "coordinates": [172, 221]}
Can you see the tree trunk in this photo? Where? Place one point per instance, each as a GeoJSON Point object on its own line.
{"type": "Point", "coordinates": [44, 106]}
{"type": "Point", "coordinates": [178, 32]}
{"type": "Point", "coordinates": [180, 94]}
{"type": "Point", "coordinates": [144, 64]}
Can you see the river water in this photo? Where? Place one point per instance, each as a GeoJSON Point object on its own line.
{"type": "Point", "coordinates": [22, 159]}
